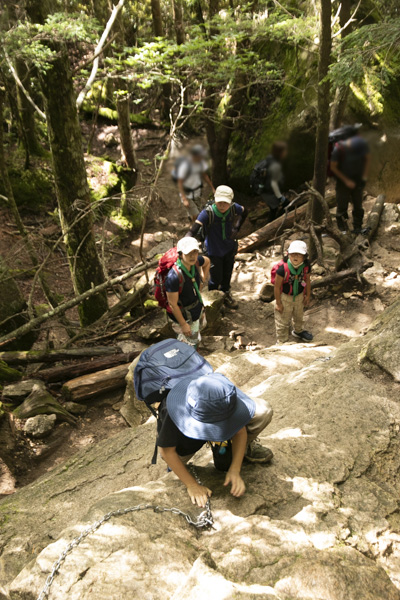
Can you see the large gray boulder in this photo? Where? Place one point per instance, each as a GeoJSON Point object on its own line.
{"type": "Point", "coordinates": [319, 523]}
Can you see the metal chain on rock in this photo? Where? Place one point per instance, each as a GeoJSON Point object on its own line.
{"type": "Point", "coordinates": [203, 521]}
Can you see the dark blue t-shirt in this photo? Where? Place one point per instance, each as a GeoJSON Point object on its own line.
{"type": "Point", "coordinates": [189, 295]}
{"type": "Point", "coordinates": [214, 242]}
{"type": "Point", "coordinates": [351, 157]}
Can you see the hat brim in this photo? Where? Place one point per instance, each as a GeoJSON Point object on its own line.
{"type": "Point", "coordinates": [223, 199]}
{"type": "Point", "coordinates": [215, 432]}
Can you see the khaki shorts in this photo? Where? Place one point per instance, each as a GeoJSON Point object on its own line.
{"type": "Point", "coordinates": [195, 326]}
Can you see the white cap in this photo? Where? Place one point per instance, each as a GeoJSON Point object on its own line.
{"type": "Point", "coordinates": [297, 247]}
{"type": "Point", "coordinates": [224, 193]}
{"type": "Point", "coordinates": [187, 245]}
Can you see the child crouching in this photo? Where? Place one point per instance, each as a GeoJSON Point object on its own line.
{"type": "Point", "coordinates": [291, 278]}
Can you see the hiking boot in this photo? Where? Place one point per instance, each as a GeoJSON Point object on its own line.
{"type": "Point", "coordinates": [256, 453]}
{"type": "Point", "coordinates": [304, 335]}
{"type": "Point", "coordinates": [229, 301]}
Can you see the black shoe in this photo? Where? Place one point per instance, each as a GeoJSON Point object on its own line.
{"type": "Point", "coordinates": [229, 301]}
{"type": "Point", "coordinates": [256, 453]}
{"type": "Point", "coordinates": [304, 335]}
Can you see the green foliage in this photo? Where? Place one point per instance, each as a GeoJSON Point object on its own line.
{"type": "Point", "coordinates": [372, 52]}
{"type": "Point", "coordinates": [33, 189]}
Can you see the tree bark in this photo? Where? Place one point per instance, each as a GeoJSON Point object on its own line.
{"type": "Point", "coordinates": [72, 188]}
{"type": "Point", "coordinates": [124, 128]}
{"type": "Point", "coordinates": [321, 147]}
{"type": "Point", "coordinates": [178, 21]}
{"type": "Point", "coordinates": [158, 26]}
{"type": "Point", "coordinates": [97, 364]}
{"type": "Point", "coordinates": [342, 93]}
{"type": "Point", "coordinates": [269, 231]}
{"type": "Point", "coordinates": [39, 356]}
{"type": "Point", "coordinates": [198, 9]}
{"type": "Point", "coordinates": [88, 387]}
{"type": "Point", "coordinates": [338, 276]}
{"type": "Point", "coordinates": [27, 111]}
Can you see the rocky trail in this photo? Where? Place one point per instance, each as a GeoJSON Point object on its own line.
{"type": "Point", "coordinates": [321, 522]}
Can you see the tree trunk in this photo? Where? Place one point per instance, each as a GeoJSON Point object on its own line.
{"type": "Point", "coordinates": [218, 138]}
{"type": "Point", "coordinates": [198, 9]}
{"type": "Point", "coordinates": [72, 188]}
{"type": "Point", "coordinates": [178, 21]}
{"type": "Point", "coordinates": [26, 110]}
{"type": "Point", "coordinates": [157, 18]}
{"type": "Point", "coordinates": [342, 93]}
{"type": "Point", "coordinates": [13, 310]}
{"type": "Point", "coordinates": [321, 148]}
{"type": "Point", "coordinates": [44, 356]}
{"type": "Point", "coordinates": [124, 128]}
{"type": "Point", "coordinates": [158, 29]}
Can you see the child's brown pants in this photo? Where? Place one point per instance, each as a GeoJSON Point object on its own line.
{"type": "Point", "coordinates": [292, 310]}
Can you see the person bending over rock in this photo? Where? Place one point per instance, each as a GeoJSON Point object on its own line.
{"type": "Point", "coordinates": [292, 293]}
{"type": "Point", "coordinates": [267, 180]}
{"type": "Point", "coordinates": [183, 286]}
{"type": "Point", "coordinates": [211, 408]}
{"type": "Point", "coordinates": [221, 223]}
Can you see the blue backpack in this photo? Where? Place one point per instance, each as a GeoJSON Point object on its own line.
{"type": "Point", "coordinates": [161, 367]}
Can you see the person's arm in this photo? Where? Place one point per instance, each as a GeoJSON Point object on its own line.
{"type": "Point", "coordinates": [233, 477]}
{"type": "Point", "coordinates": [277, 292]}
{"type": "Point", "coordinates": [336, 171]}
{"type": "Point", "coordinates": [275, 189]}
{"type": "Point", "coordinates": [207, 179]}
{"type": "Point", "coordinates": [205, 271]}
{"type": "Point", "coordinates": [307, 295]}
{"type": "Point", "coordinates": [238, 222]}
{"type": "Point", "coordinates": [182, 192]}
{"type": "Point", "coordinates": [173, 299]}
{"type": "Point", "coordinates": [199, 494]}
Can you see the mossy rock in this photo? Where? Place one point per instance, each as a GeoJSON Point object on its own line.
{"type": "Point", "coordinates": [8, 373]}
{"type": "Point", "coordinates": [33, 188]}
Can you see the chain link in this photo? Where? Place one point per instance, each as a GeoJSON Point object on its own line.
{"type": "Point", "coordinates": [204, 520]}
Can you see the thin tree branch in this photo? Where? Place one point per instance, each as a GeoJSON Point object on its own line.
{"type": "Point", "coordinates": [92, 76]}
{"type": "Point", "coordinates": [21, 86]}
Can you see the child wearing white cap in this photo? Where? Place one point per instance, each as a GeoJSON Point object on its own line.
{"type": "Point", "coordinates": [292, 293]}
{"type": "Point", "coordinates": [221, 223]}
{"type": "Point", "coordinates": [183, 288]}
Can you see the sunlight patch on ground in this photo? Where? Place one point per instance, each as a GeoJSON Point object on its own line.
{"type": "Point", "coordinates": [346, 332]}
{"type": "Point", "coordinates": [288, 433]}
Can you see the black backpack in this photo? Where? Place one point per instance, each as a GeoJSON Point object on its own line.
{"type": "Point", "coordinates": [258, 175]}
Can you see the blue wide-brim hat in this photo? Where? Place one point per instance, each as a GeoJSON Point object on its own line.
{"type": "Point", "coordinates": [209, 408]}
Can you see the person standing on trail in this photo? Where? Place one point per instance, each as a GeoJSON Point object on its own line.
{"type": "Point", "coordinates": [212, 408]}
{"type": "Point", "coordinates": [291, 278]}
{"type": "Point", "coordinates": [267, 180]}
{"type": "Point", "coordinates": [190, 173]}
{"type": "Point", "coordinates": [350, 161]}
{"type": "Point", "coordinates": [220, 223]}
{"type": "Point", "coordinates": [183, 286]}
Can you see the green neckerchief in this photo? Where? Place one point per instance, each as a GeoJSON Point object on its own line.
{"type": "Point", "coordinates": [223, 217]}
{"type": "Point", "coordinates": [296, 272]}
{"type": "Point", "coordinates": [192, 275]}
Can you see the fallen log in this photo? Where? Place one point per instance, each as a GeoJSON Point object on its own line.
{"type": "Point", "coordinates": [70, 371]}
{"type": "Point", "coordinates": [352, 253]}
{"type": "Point", "coordinates": [269, 231]}
{"type": "Point", "coordinates": [87, 387]}
{"type": "Point", "coordinates": [334, 277]}
{"type": "Point", "coordinates": [36, 356]}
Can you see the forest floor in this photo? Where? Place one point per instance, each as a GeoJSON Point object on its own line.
{"type": "Point", "coordinates": [334, 316]}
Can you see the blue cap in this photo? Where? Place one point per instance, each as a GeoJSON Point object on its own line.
{"type": "Point", "coordinates": [209, 408]}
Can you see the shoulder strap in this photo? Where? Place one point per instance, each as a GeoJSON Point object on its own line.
{"type": "Point", "coordinates": [287, 272]}
{"type": "Point", "coordinates": [180, 277]}
{"type": "Point", "coordinates": [211, 215]}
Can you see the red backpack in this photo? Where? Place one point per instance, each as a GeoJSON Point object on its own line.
{"type": "Point", "coordinates": [286, 278]}
{"type": "Point", "coordinates": [165, 264]}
